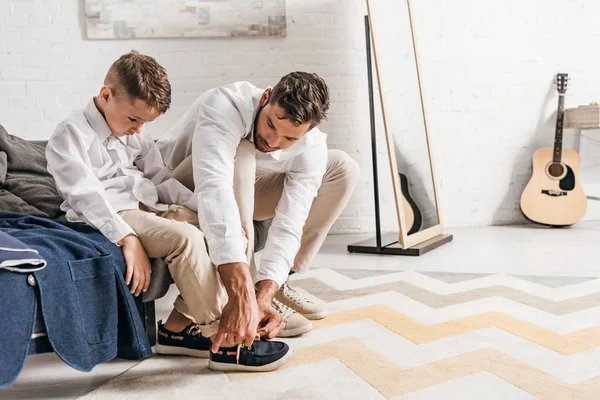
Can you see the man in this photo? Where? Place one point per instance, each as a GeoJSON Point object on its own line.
{"type": "Point", "coordinates": [249, 153]}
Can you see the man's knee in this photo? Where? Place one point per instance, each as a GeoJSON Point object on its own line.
{"type": "Point", "coordinates": [341, 166]}
{"type": "Point", "coordinates": [245, 152]}
{"type": "Point", "coordinates": [246, 145]}
{"type": "Point", "coordinates": [184, 173]}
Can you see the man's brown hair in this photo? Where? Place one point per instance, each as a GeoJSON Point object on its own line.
{"type": "Point", "coordinates": [304, 96]}
{"type": "Point", "coordinates": [140, 77]}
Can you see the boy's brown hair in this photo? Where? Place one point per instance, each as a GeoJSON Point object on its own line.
{"type": "Point", "coordinates": [140, 77]}
{"type": "Point", "coordinates": [304, 96]}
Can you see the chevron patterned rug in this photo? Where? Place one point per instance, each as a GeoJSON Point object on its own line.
{"type": "Point", "coordinates": [414, 335]}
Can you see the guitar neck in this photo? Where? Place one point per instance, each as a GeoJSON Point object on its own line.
{"type": "Point", "coordinates": [558, 137]}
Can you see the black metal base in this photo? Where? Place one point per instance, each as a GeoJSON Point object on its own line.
{"type": "Point", "coordinates": [390, 245]}
{"type": "Point", "coordinates": [386, 243]}
{"type": "Point", "coordinates": [149, 318]}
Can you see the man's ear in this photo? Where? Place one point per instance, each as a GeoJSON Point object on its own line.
{"type": "Point", "coordinates": [264, 99]}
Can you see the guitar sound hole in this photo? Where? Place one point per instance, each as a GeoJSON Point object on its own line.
{"type": "Point", "coordinates": [556, 170]}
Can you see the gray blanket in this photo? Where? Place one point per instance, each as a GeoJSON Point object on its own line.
{"type": "Point", "coordinates": [26, 186]}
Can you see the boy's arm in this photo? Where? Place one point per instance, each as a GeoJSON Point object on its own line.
{"type": "Point", "coordinates": [78, 185]}
{"type": "Point", "coordinates": [82, 190]}
{"type": "Point", "coordinates": [150, 162]}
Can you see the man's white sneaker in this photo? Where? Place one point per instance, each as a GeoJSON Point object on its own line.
{"type": "Point", "coordinates": [291, 298]}
{"type": "Point", "coordinates": [295, 324]}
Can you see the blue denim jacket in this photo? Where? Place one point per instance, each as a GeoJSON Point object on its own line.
{"type": "Point", "coordinates": [89, 313]}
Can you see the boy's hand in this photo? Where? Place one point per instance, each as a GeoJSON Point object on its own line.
{"type": "Point", "coordinates": [138, 264]}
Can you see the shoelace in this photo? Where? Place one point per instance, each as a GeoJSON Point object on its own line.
{"type": "Point", "coordinates": [282, 308]}
{"type": "Point", "coordinates": [194, 329]}
{"type": "Point", "coordinates": [236, 353]}
{"type": "Point", "coordinates": [295, 296]}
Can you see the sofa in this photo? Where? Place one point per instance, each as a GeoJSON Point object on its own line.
{"type": "Point", "coordinates": [27, 188]}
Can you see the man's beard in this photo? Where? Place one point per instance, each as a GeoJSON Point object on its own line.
{"type": "Point", "coordinates": [255, 136]}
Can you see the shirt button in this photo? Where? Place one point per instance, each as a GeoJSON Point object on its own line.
{"type": "Point", "coordinates": [31, 280]}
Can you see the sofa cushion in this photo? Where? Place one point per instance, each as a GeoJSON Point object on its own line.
{"type": "Point", "coordinates": [12, 203]}
{"type": "Point", "coordinates": [27, 176]}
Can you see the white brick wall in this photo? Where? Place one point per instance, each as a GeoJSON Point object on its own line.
{"type": "Point", "coordinates": [487, 68]}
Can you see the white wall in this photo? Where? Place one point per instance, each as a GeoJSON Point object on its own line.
{"type": "Point", "coordinates": [487, 69]}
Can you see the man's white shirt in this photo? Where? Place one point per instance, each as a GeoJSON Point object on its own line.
{"type": "Point", "coordinates": [211, 131]}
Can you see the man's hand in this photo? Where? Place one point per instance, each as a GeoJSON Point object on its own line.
{"type": "Point", "coordinates": [138, 264]}
{"type": "Point", "coordinates": [239, 318]}
{"type": "Point", "coordinates": [271, 321]}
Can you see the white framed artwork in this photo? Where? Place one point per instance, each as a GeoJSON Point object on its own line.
{"type": "Point", "coordinates": [131, 19]}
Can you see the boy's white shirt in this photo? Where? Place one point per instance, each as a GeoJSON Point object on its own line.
{"type": "Point", "coordinates": [99, 174]}
{"type": "Point", "coordinates": [211, 130]}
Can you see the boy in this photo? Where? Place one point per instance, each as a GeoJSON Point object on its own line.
{"type": "Point", "coordinates": [112, 177]}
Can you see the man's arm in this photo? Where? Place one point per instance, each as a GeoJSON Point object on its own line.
{"type": "Point", "coordinates": [219, 129]}
{"type": "Point", "coordinates": [300, 189]}
{"type": "Point", "coordinates": [150, 162]}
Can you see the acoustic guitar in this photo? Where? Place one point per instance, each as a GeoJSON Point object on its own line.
{"type": "Point", "coordinates": [554, 195]}
{"type": "Point", "coordinates": [412, 214]}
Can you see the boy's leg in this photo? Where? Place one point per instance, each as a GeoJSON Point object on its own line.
{"type": "Point", "coordinates": [183, 248]}
{"type": "Point", "coordinates": [181, 316]}
{"type": "Point", "coordinates": [243, 189]}
{"type": "Point", "coordinates": [174, 236]}
{"type": "Point", "coordinates": [336, 188]}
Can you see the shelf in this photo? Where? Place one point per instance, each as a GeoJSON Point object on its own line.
{"type": "Point", "coordinates": [583, 117]}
